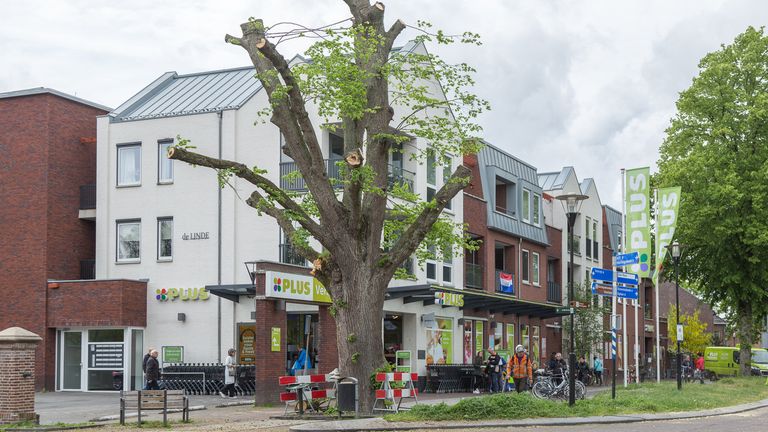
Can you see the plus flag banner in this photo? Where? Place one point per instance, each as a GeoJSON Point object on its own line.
{"type": "Point", "coordinates": [667, 211]}
{"type": "Point", "coordinates": [505, 283]}
{"type": "Point", "coordinates": [638, 225]}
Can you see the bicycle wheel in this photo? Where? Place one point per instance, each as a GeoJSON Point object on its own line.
{"type": "Point", "coordinates": [581, 390]}
{"type": "Point", "coordinates": [542, 389]}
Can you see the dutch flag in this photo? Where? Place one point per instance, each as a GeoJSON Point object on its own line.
{"type": "Point", "coordinates": [506, 285]}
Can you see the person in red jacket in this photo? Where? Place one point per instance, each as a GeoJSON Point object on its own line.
{"type": "Point", "coordinates": [700, 367]}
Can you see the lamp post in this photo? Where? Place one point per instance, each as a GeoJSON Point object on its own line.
{"type": "Point", "coordinates": [675, 252]}
{"type": "Point", "coordinates": [572, 203]}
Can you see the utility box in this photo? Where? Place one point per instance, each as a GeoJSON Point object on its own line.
{"type": "Point", "coordinates": [347, 396]}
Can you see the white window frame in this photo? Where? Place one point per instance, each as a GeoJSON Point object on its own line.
{"type": "Point", "coordinates": [447, 265]}
{"type": "Point", "coordinates": [162, 160]}
{"type": "Point", "coordinates": [160, 221]}
{"type": "Point", "coordinates": [535, 269]}
{"type": "Point", "coordinates": [525, 207]}
{"type": "Point", "coordinates": [118, 224]}
{"type": "Point", "coordinates": [525, 266]}
{"type": "Point", "coordinates": [536, 209]}
{"type": "Point", "coordinates": [431, 262]}
{"type": "Point", "coordinates": [120, 149]}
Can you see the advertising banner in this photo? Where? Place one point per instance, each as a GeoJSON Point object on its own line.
{"type": "Point", "coordinates": [290, 286]}
{"type": "Point", "coordinates": [440, 342]}
{"type": "Point", "coordinates": [246, 339]}
{"type": "Point", "coordinates": [638, 226]}
{"type": "Point", "coordinates": [666, 220]}
{"type": "Point", "coordinates": [478, 336]}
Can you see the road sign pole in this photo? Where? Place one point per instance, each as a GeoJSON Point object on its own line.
{"type": "Point", "coordinates": [613, 334]}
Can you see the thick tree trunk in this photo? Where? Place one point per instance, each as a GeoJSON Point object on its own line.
{"type": "Point", "coordinates": [359, 317]}
{"type": "Point", "coordinates": [745, 337]}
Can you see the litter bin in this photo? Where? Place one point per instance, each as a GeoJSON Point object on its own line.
{"type": "Point", "coordinates": [346, 395]}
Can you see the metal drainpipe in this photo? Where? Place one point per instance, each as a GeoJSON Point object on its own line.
{"type": "Point", "coordinates": [218, 252]}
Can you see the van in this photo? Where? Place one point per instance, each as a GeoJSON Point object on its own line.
{"type": "Point", "coordinates": [725, 361]}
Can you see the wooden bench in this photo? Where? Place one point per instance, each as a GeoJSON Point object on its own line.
{"type": "Point", "coordinates": [154, 400]}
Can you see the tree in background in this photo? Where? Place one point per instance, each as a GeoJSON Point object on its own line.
{"type": "Point", "coordinates": [716, 149]}
{"type": "Point", "coordinates": [695, 335]}
{"type": "Point", "coordinates": [359, 221]}
{"type": "Point", "coordinates": [589, 335]}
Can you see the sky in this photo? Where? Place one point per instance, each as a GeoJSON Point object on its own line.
{"type": "Point", "coordinates": [590, 84]}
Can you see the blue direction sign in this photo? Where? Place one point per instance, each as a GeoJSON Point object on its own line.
{"type": "Point", "coordinates": [626, 259]}
{"type": "Point", "coordinates": [605, 275]}
{"type": "Point", "coordinates": [621, 291]}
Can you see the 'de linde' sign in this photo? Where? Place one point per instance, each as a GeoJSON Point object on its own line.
{"type": "Point", "coordinates": [203, 235]}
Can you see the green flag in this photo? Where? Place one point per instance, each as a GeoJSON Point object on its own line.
{"type": "Point", "coordinates": [638, 227]}
{"type": "Point", "coordinates": [666, 220]}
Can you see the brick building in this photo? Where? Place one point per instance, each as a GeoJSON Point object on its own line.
{"type": "Point", "coordinates": [48, 148]}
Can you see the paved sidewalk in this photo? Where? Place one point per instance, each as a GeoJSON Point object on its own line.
{"type": "Point", "coordinates": [379, 424]}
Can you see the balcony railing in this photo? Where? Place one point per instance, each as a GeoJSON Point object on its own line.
{"type": "Point", "coordinates": [554, 292]}
{"type": "Point", "coordinates": [398, 175]}
{"type": "Point", "coordinates": [473, 276]}
{"type": "Point", "coordinates": [576, 245]}
{"type": "Point", "coordinates": [505, 290]}
{"type": "Point", "coordinates": [288, 255]}
{"type": "Point", "coordinates": [88, 197]}
{"type": "Point", "coordinates": [88, 269]}
{"type": "Point", "coordinates": [291, 179]}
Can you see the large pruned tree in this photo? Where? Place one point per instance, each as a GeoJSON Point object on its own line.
{"type": "Point", "coordinates": [359, 227]}
{"type": "Point", "coordinates": [716, 149]}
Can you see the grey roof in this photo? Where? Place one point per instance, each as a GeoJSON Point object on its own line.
{"type": "Point", "coordinates": [585, 184]}
{"type": "Point", "coordinates": [613, 222]}
{"type": "Point", "coordinates": [555, 180]}
{"type": "Point", "coordinates": [174, 95]}
{"type": "Point", "coordinates": [44, 90]}
{"type": "Point", "coordinates": [494, 162]}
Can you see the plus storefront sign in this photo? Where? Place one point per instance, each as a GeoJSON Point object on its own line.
{"type": "Point", "coordinates": [289, 286]}
{"type": "Point", "coordinates": [184, 294]}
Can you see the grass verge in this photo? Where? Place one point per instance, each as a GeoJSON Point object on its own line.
{"type": "Point", "coordinates": [32, 425]}
{"type": "Point", "coordinates": [644, 398]}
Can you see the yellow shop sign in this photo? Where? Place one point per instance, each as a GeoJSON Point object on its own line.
{"type": "Point", "coordinates": [295, 287]}
{"type": "Point", "coordinates": [184, 294]}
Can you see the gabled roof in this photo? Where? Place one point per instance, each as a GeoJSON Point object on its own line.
{"type": "Point", "coordinates": [555, 180]}
{"type": "Point", "coordinates": [613, 222]}
{"type": "Point", "coordinates": [44, 90]}
{"type": "Point", "coordinates": [174, 95]}
{"type": "Point", "coordinates": [585, 184]}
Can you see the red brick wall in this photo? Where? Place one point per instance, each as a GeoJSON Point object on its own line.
{"type": "Point", "coordinates": [269, 364]}
{"type": "Point", "coordinates": [42, 165]}
{"type": "Point", "coordinates": [97, 303]}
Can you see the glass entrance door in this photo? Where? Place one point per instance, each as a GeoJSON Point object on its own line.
{"type": "Point", "coordinates": [72, 366]}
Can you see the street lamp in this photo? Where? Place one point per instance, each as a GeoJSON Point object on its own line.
{"type": "Point", "coordinates": [572, 204]}
{"type": "Point", "coordinates": [675, 250]}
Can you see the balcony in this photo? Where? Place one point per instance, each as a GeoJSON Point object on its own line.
{"type": "Point", "coordinates": [506, 289]}
{"type": "Point", "coordinates": [288, 255]}
{"type": "Point", "coordinates": [291, 179]}
{"type": "Point", "coordinates": [87, 269]}
{"type": "Point", "coordinates": [473, 276]}
{"type": "Point", "coordinates": [576, 245]}
{"type": "Point", "coordinates": [554, 292]}
{"type": "Point", "coordinates": [88, 202]}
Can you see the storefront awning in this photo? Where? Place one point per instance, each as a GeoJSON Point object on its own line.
{"type": "Point", "coordinates": [231, 292]}
{"type": "Point", "coordinates": [475, 299]}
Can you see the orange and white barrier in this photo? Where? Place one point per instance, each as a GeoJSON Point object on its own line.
{"type": "Point", "coordinates": [388, 398]}
{"type": "Point", "coordinates": [307, 386]}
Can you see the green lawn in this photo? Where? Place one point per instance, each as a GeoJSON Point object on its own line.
{"type": "Point", "coordinates": [644, 398]}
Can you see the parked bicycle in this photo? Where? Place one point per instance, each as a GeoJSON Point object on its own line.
{"type": "Point", "coordinates": [550, 386]}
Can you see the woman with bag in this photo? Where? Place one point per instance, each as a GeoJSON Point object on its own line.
{"type": "Point", "coordinates": [229, 375]}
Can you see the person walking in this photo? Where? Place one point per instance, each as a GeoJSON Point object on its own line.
{"type": "Point", "coordinates": [520, 369]}
{"type": "Point", "coordinates": [229, 375]}
{"type": "Point", "coordinates": [598, 368]}
{"type": "Point", "coordinates": [493, 369]}
{"type": "Point", "coordinates": [144, 366]}
{"type": "Point", "coordinates": [582, 370]}
{"type": "Point", "coordinates": [153, 371]}
{"type": "Point", "coordinates": [557, 366]}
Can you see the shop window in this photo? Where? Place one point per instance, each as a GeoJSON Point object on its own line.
{"type": "Point", "coordinates": [129, 165]}
{"type": "Point", "coordinates": [129, 241]}
{"type": "Point", "coordinates": [511, 337]}
{"type": "Point", "coordinates": [467, 343]}
{"type": "Point", "coordinates": [440, 342]}
{"type": "Point", "coordinates": [393, 336]}
{"type": "Point", "coordinates": [525, 337]}
{"type": "Point", "coordinates": [534, 352]}
{"type": "Point", "coordinates": [479, 345]}
{"type": "Point", "coordinates": [535, 265]}
{"type": "Point", "coordinates": [498, 337]}
{"type": "Point", "coordinates": [164, 165]}
{"type": "Point", "coordinates": [525, 266]}
{"type": "Point", "coordinates": [165, 239]}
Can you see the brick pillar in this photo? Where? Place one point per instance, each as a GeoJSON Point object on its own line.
{"type": "Point", "coordinates": [269, 364]}
{"type": "Point", "coordinates": [17, 375]}
{"type": "Point", "coordinates": [328, 350]}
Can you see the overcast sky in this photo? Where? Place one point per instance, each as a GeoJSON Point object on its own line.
{"type": "Point", "coordinates": [590, 84]}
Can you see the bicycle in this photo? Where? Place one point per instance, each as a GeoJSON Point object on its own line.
{"type": "Point", "coordinates": [545, 387]}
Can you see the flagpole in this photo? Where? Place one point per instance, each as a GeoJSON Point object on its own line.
{"type": "Point", "coordinates": [624, 248]}
{"type": "Point", "coordinates": [656, 289]}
